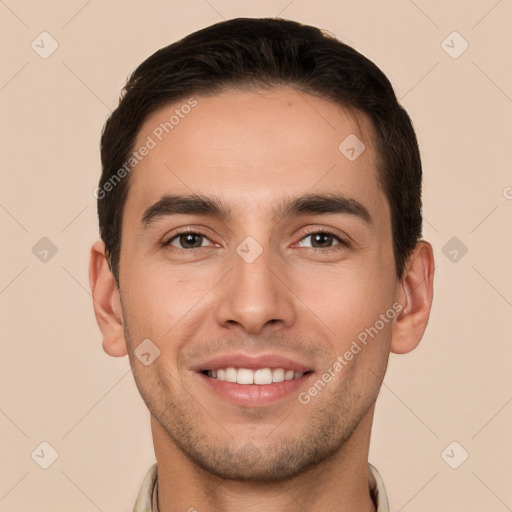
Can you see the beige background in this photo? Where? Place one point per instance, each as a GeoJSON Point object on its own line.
{"type": "Point", "coordinates": [57, 384]}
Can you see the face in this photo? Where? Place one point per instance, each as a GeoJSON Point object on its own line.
{"type": "Point", "coordinates": [271, 260]}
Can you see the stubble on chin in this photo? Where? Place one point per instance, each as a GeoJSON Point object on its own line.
{"type": "Point", "coordinates": [274, 453]}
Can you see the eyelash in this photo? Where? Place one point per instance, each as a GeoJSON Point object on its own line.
{"type": "Point", "coordinates": [342, 243]}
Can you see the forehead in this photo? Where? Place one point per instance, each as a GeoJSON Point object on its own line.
{"type": "Point", "coordinates": [252, 148]}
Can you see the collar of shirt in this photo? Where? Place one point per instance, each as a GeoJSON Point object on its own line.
{"type": "Point", "coordinates": [147, 498]}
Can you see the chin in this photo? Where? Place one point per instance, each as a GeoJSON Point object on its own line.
{"type": "Point", "coordinates": [275, 463]}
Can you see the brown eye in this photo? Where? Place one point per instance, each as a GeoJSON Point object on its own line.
{"type": "Point", "coordinates": [187, 240]}
{"type": "Point", "coordinates": [322, 240]}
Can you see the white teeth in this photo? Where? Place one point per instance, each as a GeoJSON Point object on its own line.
{"type": "Point", "coordinates": [288, 375]}
{"type": "Point", "coordinates": [261, 377]}
{"type": "Point", "coordinates": [245, 376]}
{"type": "Point", "coordinates": [230, 374]}
{"type": "Point", "coordinates": [278, 375]}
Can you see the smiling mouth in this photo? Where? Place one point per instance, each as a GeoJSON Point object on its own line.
{"type": "Point", "coordinates": [260, 376]}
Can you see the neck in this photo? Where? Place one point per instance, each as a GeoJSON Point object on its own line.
{"type": "Point", "coordinates": [339, 483]}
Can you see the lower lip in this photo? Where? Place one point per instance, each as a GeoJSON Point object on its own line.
{"type": "Point", "coordinates": [254, 395]}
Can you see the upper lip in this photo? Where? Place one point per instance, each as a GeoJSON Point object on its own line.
{"type": "Point", "coordinates": [252, 362]}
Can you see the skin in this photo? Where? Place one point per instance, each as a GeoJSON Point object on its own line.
{"type": "Point", "coordinates": [251, 150]}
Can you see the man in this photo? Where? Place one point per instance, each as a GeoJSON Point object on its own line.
{"type": "Point", "coordinates": [260, 257]}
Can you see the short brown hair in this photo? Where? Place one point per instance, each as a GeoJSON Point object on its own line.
{"type": "Point", "coordinates": [269, 52]}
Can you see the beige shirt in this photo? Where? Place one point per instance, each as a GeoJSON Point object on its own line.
{"type": "Point", "coordinates": [147, 499]}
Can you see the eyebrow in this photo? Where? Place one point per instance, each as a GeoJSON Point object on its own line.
{"type": "Point", "coordinates": [314, 204]}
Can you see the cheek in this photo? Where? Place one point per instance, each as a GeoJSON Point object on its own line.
{"type": "Point", "coordinates": [350, 301]}
{"type": "Point", "coordinates": [157, 298]}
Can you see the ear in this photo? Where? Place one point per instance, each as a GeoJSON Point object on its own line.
{"type": "Point", "coordinates": [415, 295]}
{"type": "Point", "coordinates": [107, 302]}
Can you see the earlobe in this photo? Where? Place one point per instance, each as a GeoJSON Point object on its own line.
{"type": "Point", "coordinates": [415, 295]}
{"type": "Point", "coordinates": [106, 302]}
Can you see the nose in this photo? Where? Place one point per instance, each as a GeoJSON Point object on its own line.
{"type": "Point", "coordinates": [255, 295]}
